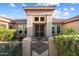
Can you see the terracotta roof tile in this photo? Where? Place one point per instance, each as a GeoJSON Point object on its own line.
{"type": "Point", "coordinates": [76, 18]}
{"type": "Point", "coordinates": [19, 21]}
{"type": "Point", "coordinates": [34, 8]}
{"type": "Point", "coordinates": [56, 20]}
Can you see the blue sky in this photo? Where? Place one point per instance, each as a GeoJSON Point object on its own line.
{"type": "Point", "coordinates": [15, 10]}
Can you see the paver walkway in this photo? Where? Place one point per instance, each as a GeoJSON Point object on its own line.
{"type": "Point", "coordinates": [40, 48]}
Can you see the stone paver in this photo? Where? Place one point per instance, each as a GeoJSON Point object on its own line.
{"type": "Point", "coordinates": [45, 53]}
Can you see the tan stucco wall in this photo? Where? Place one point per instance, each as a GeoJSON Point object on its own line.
{"type": "Point", "coordinates": [16, 26]}
{"type": "Point", "coordinates": [74, 25]}
{"type": "Point", "coordinates": [4, 21]}
{"type": "Point", "coordinates": [39, 12]}
{"type": "Point", "coordinates": [20, 26]}
{"type": "Point", "coordinates": [6, 24]}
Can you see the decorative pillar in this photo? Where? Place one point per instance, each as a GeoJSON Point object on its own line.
{"type": "Point", "coordinates": [27, 46]}
{"type": "Point", "coordinates": [29, 26]}
{"type": "Point", "coordinates": [49, 26]}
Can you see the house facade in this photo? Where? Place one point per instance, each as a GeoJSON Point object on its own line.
{"type": "Point", "coordinates": [4, 22]}
{"type": "Point", "coordinates": [40, 23]}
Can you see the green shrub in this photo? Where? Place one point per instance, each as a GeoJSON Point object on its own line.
{"type": "Point", "coordinates": [67, 45]}
{"type": "Point", "coordinates": [6, 34]}
{"type": "Point", "coordinates": [69, 30]}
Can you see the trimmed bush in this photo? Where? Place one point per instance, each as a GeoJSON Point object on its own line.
{"type": "Point", "coordinates": [67, 45]}
{"type": "Point", "coordinates": [6, 34]}
{"type": "Point", "coordinates": [69, 30]}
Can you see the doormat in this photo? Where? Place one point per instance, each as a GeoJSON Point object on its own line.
{"type": "Point", "coordinates": [40, 47]}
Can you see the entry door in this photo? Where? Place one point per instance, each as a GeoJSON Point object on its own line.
{"type": "Point", "coordinates": [39, 30]}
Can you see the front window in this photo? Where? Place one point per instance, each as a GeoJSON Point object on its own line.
{"type": "Point", "coordinates": [52, 30]}
{"type": "Point", "coordinates": [20, 31]}
{"type": "Point", "coordinates": [58, 29]}
{"type": "Point", "coordinates": [36, 18]}
{"type": "Point", "coordinates": [25, 30]}
{"type": "Point", "coordinates": [20, 27]}
{"type": "Point", "coordinates": [42, 19]}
